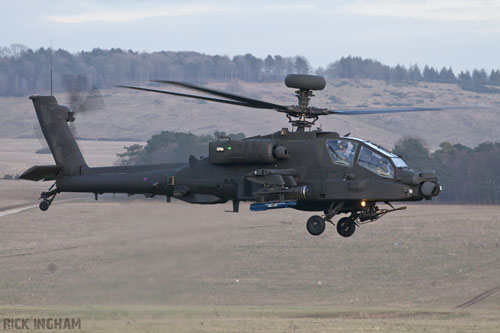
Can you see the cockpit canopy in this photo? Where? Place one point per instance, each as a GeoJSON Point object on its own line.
{"type": "Point", "coordinates": [342, 152]}
{"type": "Point", "coordinates": [345, 152]}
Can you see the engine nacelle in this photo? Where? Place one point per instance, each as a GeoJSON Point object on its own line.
{"type": "Point", "coordinates": [241, 152]}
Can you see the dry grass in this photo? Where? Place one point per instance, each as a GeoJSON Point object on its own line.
{"type": "Point", "coordinates": [17, 155]}
{"type": "Point", "coordinates": [137, 252]}
{"type": "Point", "coordinates": [138, 115]}
{"type": "Point", "coordinates": [263, 319]}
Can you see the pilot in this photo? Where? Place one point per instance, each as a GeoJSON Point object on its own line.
{"type": "Point", "coordinates": [343, 151]}
{"type": "Point", "coordinates": [382, 167]}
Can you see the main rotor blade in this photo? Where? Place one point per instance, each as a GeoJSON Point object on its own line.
{"type": "Point", "coordinates": [392, 110]}
{"type": "Point", "coordinates": [253, 102]}
{"type": "Point", "coordinates": [189, 96]}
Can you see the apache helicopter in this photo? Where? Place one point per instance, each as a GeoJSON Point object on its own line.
{"type": "Point", "coordinates": [301, 168]}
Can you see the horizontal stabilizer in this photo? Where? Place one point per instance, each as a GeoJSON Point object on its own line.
{"type": "Point", "coordinates": [41, 172]}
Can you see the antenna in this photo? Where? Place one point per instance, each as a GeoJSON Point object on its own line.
{"type": "Point", "coordinates": [50, 68]}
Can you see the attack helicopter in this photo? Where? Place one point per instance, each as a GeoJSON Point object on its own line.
{"type": "Point", "coordinates": [300, 168]}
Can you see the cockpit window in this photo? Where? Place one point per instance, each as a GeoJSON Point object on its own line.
{"type": "Point", "coordinates": [342, 151]}
{"type": "Point", "coordinates": [375, 163]}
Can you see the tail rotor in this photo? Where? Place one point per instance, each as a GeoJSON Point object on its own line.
{"type": "Point", "coordinates": [82, 97]}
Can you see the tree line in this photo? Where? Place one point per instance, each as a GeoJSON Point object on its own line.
{"type": "Point", "coordinates": [171, 147]}
{"type": "Point", "coordinates": [468, 175]}
{"type": "Point", "coordinates": [25, 71]}
{"type": "Point", "coordinates": [358, 68]}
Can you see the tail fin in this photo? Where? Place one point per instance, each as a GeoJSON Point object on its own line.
{"type": "Point", "coordinates": [53, 120]}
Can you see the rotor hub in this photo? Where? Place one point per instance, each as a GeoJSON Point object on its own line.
{"type": "Point", "coordinates": [303, 116]}
{"type": "Point", "coordinates": [304, 96]}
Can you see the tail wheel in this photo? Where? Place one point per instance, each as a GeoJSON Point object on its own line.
{"type": "Point", "coordinates": [315, 225]}
{"type": "Point", "coordinates": [346, 227]}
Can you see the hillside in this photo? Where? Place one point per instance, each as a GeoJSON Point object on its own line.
{"type": "Point", "coordinates": [135, 116]}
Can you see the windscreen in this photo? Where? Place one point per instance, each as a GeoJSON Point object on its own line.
{"type": "Point", "coordinates": [375, 162]}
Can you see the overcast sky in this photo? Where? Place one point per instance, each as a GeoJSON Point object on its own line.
{"type": "Point", "coordinates": [462, 34]}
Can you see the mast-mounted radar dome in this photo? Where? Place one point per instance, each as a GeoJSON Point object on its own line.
{"type": "Point", "coordinates": [305, 82]}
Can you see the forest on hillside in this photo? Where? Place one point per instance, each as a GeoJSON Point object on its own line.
{"type": "Point", "coordinates": [24, 71]}
{"type": "Point", "coordinates": [467, 175]}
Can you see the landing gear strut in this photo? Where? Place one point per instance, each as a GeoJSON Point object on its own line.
{"type": "Point", "coordinates": [47, 198]}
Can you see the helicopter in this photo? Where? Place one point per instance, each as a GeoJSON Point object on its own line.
{"type": "Point", "coordinates": [300, 168]}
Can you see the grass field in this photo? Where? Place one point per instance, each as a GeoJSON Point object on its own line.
{"type": "Point", "coordinates": [133, 264]}
{"type": "Point", "coordinates": [263, 319]}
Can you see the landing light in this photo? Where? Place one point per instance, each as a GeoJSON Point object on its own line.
{"type": "Point", "coordinates": [363, 203]}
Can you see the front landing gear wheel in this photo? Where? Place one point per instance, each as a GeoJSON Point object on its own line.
{"type": "Point", "coordinates": [44, 205]}
{"type": "Point", "coordinates": [346, 227]}
{"type": "Point", "coordinates": [315, 225]}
